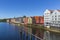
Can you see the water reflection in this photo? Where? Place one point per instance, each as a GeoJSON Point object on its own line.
{"type": "Point", "coordinates": [9, 32]}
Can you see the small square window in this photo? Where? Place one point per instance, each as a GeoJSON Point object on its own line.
{"type": "Point", "coordinates": [55, 16]}
{"type": "Point", "coordinates": [52, 16]}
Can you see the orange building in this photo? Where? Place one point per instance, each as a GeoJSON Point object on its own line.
{"type": "Point", "coordinates": [38, 19]}
{"type": "Point", "coordinates": [41, 19]}
{"type": "Point", "coordinates": [35, 31]}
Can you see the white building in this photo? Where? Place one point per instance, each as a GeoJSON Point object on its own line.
{"type": "Point", "coordinates": [52, 20]}
{"type": "Point", "coordinates": [19, 19]}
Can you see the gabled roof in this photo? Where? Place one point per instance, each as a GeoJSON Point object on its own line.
{"type": "Point", "coordinates": [51, 11]}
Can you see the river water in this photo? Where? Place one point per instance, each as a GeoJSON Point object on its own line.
{"type": "Point", "coordinates": [9, 32]}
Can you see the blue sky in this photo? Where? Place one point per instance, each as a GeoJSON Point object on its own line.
{"type": "Point", "coordinates": [16, 8]}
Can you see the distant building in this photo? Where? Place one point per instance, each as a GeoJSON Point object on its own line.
{"type": "Point", "coordinates": [38, 20]}
{"type": "Point", "coordinates": [29, 20]}
{"type": "Point", "coordinates": [41, 20]}
{"type": "Point", "coordinates": [7, 20]}
{"type": "Point", "coordinates": [33, 20]}
{"type": "Point", "coordinates": [19, 19]}
{"type": "Point", "coordinates": [25, 20]}
{"type": "Point", "coordinates": [13, 20]}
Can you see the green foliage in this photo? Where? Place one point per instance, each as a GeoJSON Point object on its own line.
{"type": "Point", "coordinates": [2, 20]}
{"type": "Point", "coordinates": [24, 16]}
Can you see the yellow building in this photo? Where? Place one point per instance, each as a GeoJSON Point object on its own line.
{"type": "Point", "coordinates": [29, 20]}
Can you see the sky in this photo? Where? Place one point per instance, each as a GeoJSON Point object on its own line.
{"type": "Point", "coordinates": [17, 8]}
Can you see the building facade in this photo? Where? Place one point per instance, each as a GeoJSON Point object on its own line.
{"type": "Point", "coordinates": [38, 20]}
{"type": "Point", "coordinates": [12, 20]}
{"type": "Point", "coordinates": [29, 20]}
{"type": "Point", "coordinates": [7, 20]}
{"type": "Point", "coordinates": [52, 20]}
{"type": "Point", "coordinates": [41, 20]}
{"type": "Point", "coordinates": [19, 20]}
{"type": "Point", "coordinates": [33, 20]}
{"type": "Point", "coordinates": [47, 17]}
{"type": "Point", "coordinates": [25, 20]}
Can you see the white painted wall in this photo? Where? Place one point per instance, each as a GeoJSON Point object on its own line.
{"type": "Point", "coordinates": [47, 17]}
{"type": "Point", "coordinates": [52, 18]}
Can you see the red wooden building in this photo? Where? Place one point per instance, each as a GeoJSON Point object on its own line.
{"type": "Point", "coordinates": [38, 20]}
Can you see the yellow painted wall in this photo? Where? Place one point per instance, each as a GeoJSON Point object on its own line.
{"type": "Point", "coordinates": [29, 20]}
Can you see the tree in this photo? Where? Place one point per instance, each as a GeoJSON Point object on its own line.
{"type": "Point", "coordinates": [24, 16]}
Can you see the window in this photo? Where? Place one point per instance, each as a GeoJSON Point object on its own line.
{"type": "Point", "coordinates": [52, 16]}
{"type": "Point", "coordinates": [55, 18]}
{"type": "Point", "coordinates": [58, 21]}
{"type": "Point", "coordinates": [47, 23]}
{"type": "Point", "coordinates": [58, 15]}
{"type": "Point", "coordinates": [52, 19]}
{"type": "Point", "coordinates": [58, 18]}
{"type": "Point", "coordinates": [47, 13]}
{"type": "Point", "coordinates": [46, 18]}
{"type": "Point", "coordinates": [55, 22]}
